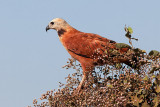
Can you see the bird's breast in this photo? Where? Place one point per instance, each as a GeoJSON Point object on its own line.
{"type": "Point", "coordinates": [65, 41]}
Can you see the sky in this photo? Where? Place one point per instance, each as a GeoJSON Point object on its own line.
{"type": "Point", "coordinates": [31, 59]}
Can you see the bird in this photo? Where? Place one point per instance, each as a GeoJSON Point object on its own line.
{"type": "Point", "coordinates": [89, 49]}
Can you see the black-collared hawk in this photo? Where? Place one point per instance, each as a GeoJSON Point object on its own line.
{"type": "Point", "coordinates": [89, 49]}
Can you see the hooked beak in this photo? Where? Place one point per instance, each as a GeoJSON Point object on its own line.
{"type": "Point", "coordinates": [47, 28]}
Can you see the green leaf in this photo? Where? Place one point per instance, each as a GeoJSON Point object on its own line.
{"type": "Point", "coordinates": [118, 65]}
{"type": "Point", "coordinates": [145, 104]}
{"type": "Point", "coordinates": [153, 76]}
{"type": "Point", "coordinates": [154, 53]}
{"type": "Point", "coordinates": [145, 78]}
{"type": "Point", "coordinates": [130, 30]}
{"type": "Point", "coordinates": [156, 102]}
{"type": "Point", "coordinates": [158, 76]}
{"type": "Point", "coordinates": [106, 51]}
{"type": "Point", "coordinates": [142, 97]}
{"type": "Point", "coordinates": [137, 50]}
{"type": "Point", "coordinates": [125, 81]}
{"type": "Point", "coordinates": [158, 89]}
{"type": "Point", "coordinates": [109, 85]}
{"type": "Point", "coordinates": [139, 92]}
{"type": "Point", "coordinates": [122, 45]}
{"type": "Point", "coordinates": [136, 100]}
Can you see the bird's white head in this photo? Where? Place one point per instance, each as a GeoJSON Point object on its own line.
{"type": "Point", "coordinates": [57, 24]}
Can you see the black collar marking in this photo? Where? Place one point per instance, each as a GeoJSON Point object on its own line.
{"type": "Point", "coordinates": [61, 32]}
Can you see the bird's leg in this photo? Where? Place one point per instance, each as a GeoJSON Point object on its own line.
{"type": "Point", "coordinates": [85, 77]}
{"type": "Point", "coordinates": [86, 70]}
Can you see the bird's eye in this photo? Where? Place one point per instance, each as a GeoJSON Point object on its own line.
{"type": "Point", "coordinates": [52, 23]}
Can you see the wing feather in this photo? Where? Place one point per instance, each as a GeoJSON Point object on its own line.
{"type": "Point", "coordinates": [87, 44]}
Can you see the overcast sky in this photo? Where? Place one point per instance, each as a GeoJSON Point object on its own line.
{"type": "Point", "coordinates": [31, 60]}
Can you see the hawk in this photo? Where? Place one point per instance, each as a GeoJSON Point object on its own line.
{"type": "Point", "coordinates": [89, 49]}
